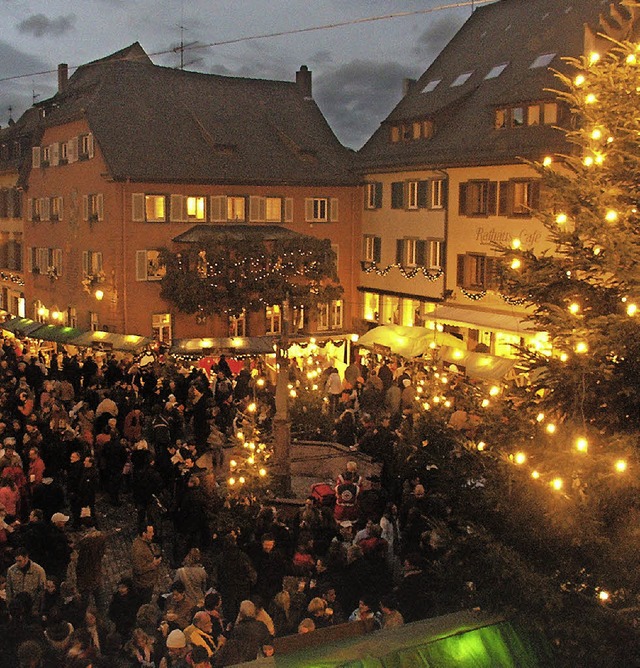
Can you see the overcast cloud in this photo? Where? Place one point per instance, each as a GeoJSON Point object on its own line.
{"type": "Point", "coordinates": [357, 69]}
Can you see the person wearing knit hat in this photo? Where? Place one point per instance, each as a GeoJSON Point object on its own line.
{"type": "Point", "coordinates": [176, 654]}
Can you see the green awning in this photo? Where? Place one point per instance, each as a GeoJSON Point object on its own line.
{"type": "Point", "coordinates": [21, 326]}
{"type": "Point", "coordinates": [110, 340]}
{"type": "Point", "coordinates": [55, 333]}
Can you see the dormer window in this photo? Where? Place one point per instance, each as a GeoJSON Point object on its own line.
{"type": "Point", "coordinates": [411, 131]}
{"type": "Point", "coordinates": [542, 61]}
{"type": "Point", "coordinates": [461, 79]}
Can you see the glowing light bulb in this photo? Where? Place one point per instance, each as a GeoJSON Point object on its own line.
{"type": "Point", "coordinates": [41, 311]}
{"type": "Point", "coordinates": [597, 250]}
{"type": "Point", "coordinates": [611, 216]}
{"type": "Point", "coordinates": [520, 458]}
{"type": "Point", "coordinates": [551, 428]}
{"type": "Point", "coordinates": [494, 391]}
{"type": "Point", "coordinates": [535, 475]}
{"type": "Point", "coordinates": [232, 481]}
{"type": "Point", "coordinates": [293, 394]}
{"type": "Point", "coordinates": [241, 480]}
{"type": "Point", "coordinates": [621, 466]}
{"type": "Point", "coordinates": [588, 161]}
{"type": "Point", "coordinates": [599, 159]}
{"type": "Point", "coordinates": [251, 460]}
{"type": "Point", "coordinates": [579, 80]}
{"type": "Point", "coordinates": [557, 484]}
{"type": "Point", "coordinates": [604, 595]}
{"type": "Point", "coordinates": [540, 417]}
{"type": "Point", "coordinates": [581, 347]}
{"type": "Point", "coordinates": [561, 218]}
{"type": "Point", "coordinates": [631, 59]}
{"type": "Point", "coordinates": [252, 407]}
{"type": "Point", "coordinates": [233, 463]}
{"type": "Point", "coordinates": [260, 382]}
{"type": "Point", "coordinates": [447, 404]}
{"type": "Point", "coordinates": [481, 446]}
{"type": "Point", "coordinates": [516, 243]}
{"type": "Point", "coordinates": [632, 309]}
{"type": "Point", "coordinates": [485, 403]}
{"type": "Point", "coordinates": [99, 294]}
{"type": "Point", "coordinates": [591, 98]}
{"type": "Point", "coordinates": [596, 134]}
{"type": "Point", "coordinates": [263, 472]}
{"type": "Point", "coordinates": [564, 357]}
{"type": "Point", "coordinates": [574, 308]}
{"type": "Point", "coordinates": [594, 57]}
{"type": "Point", "coordinates": [582, 445]}
{"type": "Point", "coordinates": [548, 160]}
{"type": "Point", "coordinates": [515, 263]}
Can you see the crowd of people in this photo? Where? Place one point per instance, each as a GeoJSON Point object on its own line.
{"type": "Point", "coordinates": [204, 587]}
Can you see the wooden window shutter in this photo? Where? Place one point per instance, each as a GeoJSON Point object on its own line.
{"type": "Point", "coordinates": [397, 195]}
{"type": "Point", "coordinates": [503, 198]}
{"type": "Point", "coordinates": [333, 209]}
{"type": "Point", "coordinates": [445, 193]}
{"type": "Point", "coordinates": [29, 259]}
{"type": "Point", "coordinates": [421, 253]}
{"type": "Point", "coordinates": [90, 146]}
{"type": "Point", "coordinates": [462, 199]}
{"type": "Point", "coordinates": [423, 191]}
{"type": "Point", "coordinates": [256, 209]}
{"type": "Point", "coordinates": [378, 195]}
{"type": "Point", "coordinates": [45, 208]}
{"type": "Point", "coordinates": [60, 208]}
{"type": "Point", "coordinates": [400, 252]}
{"type": "Point", "coordinates": [30, 208]}
{"type": "Point", "coordinates": [535, 195]}
{"type": "Point", "coordinates": [288, 210]}
{"type": "Point", "coordinates": [85, 262]}
{"type": "Point", "coordinates": [85, 207]}
{"type": "Point", "coordinates": [176, 213]}
{"type": "Point", "coordinates": [98, 261]}
{"type": "Point", "coordinates": [492, 198]}
{"type": "Point", "coordinates": [35, 157]}
{"type": "Point", "coordinates": [57, 260]}
{"type": "Point", "coordinates": [461, 271]}
{"type": "Point", "coordinates": [308, 209]}
{"type": "Point", "coordinates": [72, 150]}
{"type": "Point", "coordinates": [218, 208]}
{"type": "Point", "coordinates": [491, 275]}
{"type": "Point", "coordinates": [55, 154]}
{"type": "Point", "coordinates": [141, 265]}
{"type": "Point", "coordinates": [377, 249]}
{"type": "Point", "coordinates": [137, 207]}
{"type": "Point", "coordinates": [100, 206]}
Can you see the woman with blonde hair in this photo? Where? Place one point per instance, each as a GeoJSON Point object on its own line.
{"type": "Point", "coordinates": [193, 577]}
{"type": "Point", "coordinates": [140, 649]}
{"type": "Point", "coordinates": [281, 614]}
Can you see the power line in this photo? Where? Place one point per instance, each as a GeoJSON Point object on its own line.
{"type": "Point", "coordinates": [283, 33]}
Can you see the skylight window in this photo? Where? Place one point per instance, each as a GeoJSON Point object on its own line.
{"type": "Point", "coordinates": [542, 61]}
{"type": "Point", "coordinates": [432, 85]}
{"type": "Point", "coordinates": [496, 71]}
{"type": "Point", "coordinates": [461, 79]}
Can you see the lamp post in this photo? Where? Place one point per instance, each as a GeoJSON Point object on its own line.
{"type": "Point", "coordinates": [281, 421]}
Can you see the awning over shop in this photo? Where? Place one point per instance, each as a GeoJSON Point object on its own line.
{"type": "Point", "coordinates": [238, 345]}
{"type": "Point", "coordinates": [21, 326]}
{"type": "Point", "coordinates": [477, 365]}
{"type": "Point", "coordinates": [55, 333]}
{"type": "Point", "coordinates": [405, 341]}
{"type": "Point", "coordinates": [459, 640]}
{"type": "Point", "coordinates": [475, 318]}
{"type": "Point", "coordinates": [130, 343]}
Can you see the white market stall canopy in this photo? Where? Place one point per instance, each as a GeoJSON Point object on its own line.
{"type": "Point", "coordinates": [407, 342]}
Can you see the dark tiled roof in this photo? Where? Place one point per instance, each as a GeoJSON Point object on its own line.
{"type": "Point", "coordinates": [510, 31]}
{"type": "Point", "coordinates": [203, 233]}
{"type": "Point", "coordinates": [160, 124]}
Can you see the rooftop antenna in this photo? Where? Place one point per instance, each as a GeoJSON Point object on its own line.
{"type": "Point", "coordinates": [10, 113]}
{"type": "Point", "coordinates": [34, 96]}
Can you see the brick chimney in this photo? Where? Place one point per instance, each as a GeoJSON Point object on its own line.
{"type": "Point", "coordinates": [303, 81]}
{"type": "Point", "coordinates": [63, 76]}
{"type": "Point", "coordinates": [407, 85]}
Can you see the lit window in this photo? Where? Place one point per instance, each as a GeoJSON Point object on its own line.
{"type": "Point", "coordinates": [236, 208]}
{"type": "Point", "coordinates": [319, 209]}
{"type": "Point", "coordinates": [273, 210]}
{"type": "Point", "coordinates": [161, 327]}
{"type": "Point", "coordinates": [463, 78]}
{"type": "Point", "coordinates": [533, 114]}
{"type": "Point", "coordinates": [154, 207]}
{"type": "Point", "coordinates": [517, 117]}
{"type": "Point", "coordinates": [395, 134]}
{"type": "Point", "coordinates": [371, 306]}
{"type": "Point", "coordinates": [148, 267]}
{"type": "Point", "coordinates": [238, 324]}
{"type": "Point", "coordinates": [273, 319]}
{"type": "Point", "coordinates": [435, 254]}
{"type": "Point", "coordinates": [501, 118]}
{"type": "Point", "coordinates": [196, 208]}
{"type": "Point", "coordinates": [371, 248]}
{"type": "Point", "coordinates": [496, 71]}
{"type": "Point", "coordinates": [432, 85]}
{"type": "Point", "coordinates": [373, 195]}
{"type": "Point", "coordinates": [550, 113]}
{"type": "Point", "coordinates": [412, 202]}
{"type": "Point", "coordinates": [542, 61]}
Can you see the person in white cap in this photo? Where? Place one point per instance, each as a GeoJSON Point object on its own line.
{"type": "Point", "coordinates": [59, 549]}
{"type": "Point", "coordinates": [176, 653]}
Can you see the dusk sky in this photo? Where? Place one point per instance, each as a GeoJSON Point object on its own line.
{"type": "Point", "coordinates": [357, 69]}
